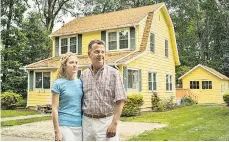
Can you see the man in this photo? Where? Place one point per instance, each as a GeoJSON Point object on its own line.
{"type": "Point", "coordinates": [104, 97]}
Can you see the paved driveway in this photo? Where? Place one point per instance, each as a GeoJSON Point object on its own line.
{"type": "Point", "coordinates": [43, 131]}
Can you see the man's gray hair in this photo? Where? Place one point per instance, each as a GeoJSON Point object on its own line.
{"type": "Point", "coordinates": [100, 42]}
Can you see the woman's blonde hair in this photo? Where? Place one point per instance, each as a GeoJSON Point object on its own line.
{"type": "Point", "coordinates": [61, 72]}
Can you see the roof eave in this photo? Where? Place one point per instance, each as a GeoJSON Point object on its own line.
{"type": "Point", "coordinates": [100, 29]}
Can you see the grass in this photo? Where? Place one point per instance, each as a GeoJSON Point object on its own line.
{"type": "Point", "coordinates": [19, 112]}
{"type": "Point", "coordinates": [192, 123]}
{"type": "Point", "coordinates": [24, 121]}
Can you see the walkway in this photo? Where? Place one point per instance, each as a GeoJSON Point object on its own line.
{"type": "Point", "coordinates": [43, 131]}
{"type": "Point", "coordinates": [23, 117]}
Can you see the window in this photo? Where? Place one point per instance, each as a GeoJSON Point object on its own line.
{"type": "Point", "coordinates": [64, 46]}
{"type": "Point", "coordinates": [168, 82]}
{"type": "Point", "coordinates": [166, 48]}
{"type": "Point", "coordinates": [73, 44]}
{"type": "Point", "coordinates": [123, 39]}
{"type": "Point", "coordinates": [112, 39]}
{"type": "Point", "coordinates": [132, 79]}
{"type": "Point", "coordinates": [194, 85]}
{"type": "Point", "coordinates": [42, 80]}
{"type": "Point", "coordinates": [206, 84]}
{"type": "Point", "coordinates": [152, 42]}
{"type": "Point", "coordinates": [68, 45]}
{"type": "Point", "coordinates": [152, 81]}
{"type": "Point", "coordinates": [118, 40]}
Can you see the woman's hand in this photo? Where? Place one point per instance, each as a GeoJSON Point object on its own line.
{"type": "Point", "coordinates": [58, 136]}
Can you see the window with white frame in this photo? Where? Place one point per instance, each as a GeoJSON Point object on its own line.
{"type": "Point", "coordinates": [118, 40]}
{"type": "Point", "coordinates": [206, 84]}
{"type": "Point", "coordinates": [68, 44]}
{"type": "Point", "coordinates": [152, 42]}
{"type": "Point", "coordinates": [123, 39]}
{"type": "Point", "coordinates": [112, 41]}
{"type": "Point", "coordinates": [152, 81]}
{"type": "Point", "coordinates": [42, 80]}
{"type": "Point", "coordinates": [132, 79]}
{"type": "Point", "coordinates": [168, 82]}
{"type": "Point", "coordinates": [194, 85]}
{"type": "Point", "coordinates": [64, 45]}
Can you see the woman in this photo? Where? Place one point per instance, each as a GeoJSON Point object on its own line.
{"type": "Point", "coordinates": [66, 101]}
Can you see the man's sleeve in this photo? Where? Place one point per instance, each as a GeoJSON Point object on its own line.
{"type": "Point", "coordinates": [120, 93]}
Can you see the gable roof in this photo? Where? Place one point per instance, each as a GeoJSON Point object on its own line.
{"type": "Point", "coordinates": [211, 70]}
{"type": "Point", "coordinates": [122, 18]}
{"type": "Point", "coordinates": [83, 60]}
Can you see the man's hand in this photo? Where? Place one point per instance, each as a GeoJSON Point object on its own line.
{"type": "Point", "coordinates": [111, 130]}
{"type": "Point", "coordinates": [58, 136]}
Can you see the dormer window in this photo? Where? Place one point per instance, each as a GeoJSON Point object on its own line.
{"type": "Point", "coordinates": [68, 44]}
{"type": "Point", "coordinates": [118, 40]}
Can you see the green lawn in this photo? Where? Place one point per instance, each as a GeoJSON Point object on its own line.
{"type": "Point", "coordinates": [19, 112]}
{"type": "Point", "coordinates": [24, 121]}
{"type": "Point", "coordinates": [193, 123]}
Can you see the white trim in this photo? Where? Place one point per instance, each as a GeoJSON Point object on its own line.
{"type": "Point", "coordinates": [152, 81]}
{"type": "Point", "coordinates": [28, 82]}
{"type": "Point", "coordinates": [39, 68]}
{"type": "Point", "coordinates": [117, 40]}
{"type": "Point", "coordinates": [99, 29]}
{"type": "Point", "coordinates": [134, 58]}
{"type": "Point", "coordinates": [142, 19]}
{"type": "Point", "coordinates": [34, 81]}
{"type": "Point", "coordinates": [207, 84]}
{"type": "Point", "coordinates": [169, 81]}
{"type": "Point", "coordinates": [68, 43]}
{"type": "Point", "coordinates": [132, 89]}
{"type": "Point", "coordinates": [199, 65]}
{"type": "Point", "coordinates": [163, 4]}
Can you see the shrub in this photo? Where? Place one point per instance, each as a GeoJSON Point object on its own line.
{"type": "Point", "coordinates": [169, 103]}
{"type": "Point", "coordinates": [187, 101]}
{"type": "Point", "coordinates": [21, 103]}
{"type": "Point", "coordinates": [132, 105]}
{"type": "Point", "coordinates": [161, 106]}
{"type": "Point", "coordinates": [10, 100]}
{"type": "Point", "coordinates": [226, 98]}
{"type": "Point", "coordinates": [155, 101]}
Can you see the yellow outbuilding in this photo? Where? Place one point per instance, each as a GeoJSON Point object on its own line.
{"type": "Point", "coordinates": [206, 83]}
{"type": "Point", "coordinates": [140, 43]}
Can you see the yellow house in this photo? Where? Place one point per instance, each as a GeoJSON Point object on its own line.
{"type": "Point", "coordinates": [208, 84]}
{"type": "Point", "coordinates": [140, 42]}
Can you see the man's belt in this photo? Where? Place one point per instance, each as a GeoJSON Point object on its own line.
{"type": "Point", "coordinates": [98, 115]}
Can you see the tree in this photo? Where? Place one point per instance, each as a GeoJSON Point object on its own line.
{"type": "Point", "coordinates": [201, 31]}
{"type": "Point", "coordinates": [52, 10]}
{"type": "Point", "coordinates": [12, 39]}
{"type": "Point", "coordinates": [25, 41]}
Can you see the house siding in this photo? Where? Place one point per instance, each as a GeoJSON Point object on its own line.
{"type": "Point", "coordinates": [213, 95]}
{"type": "Point", "coordinates": [149, 62]}
{"type": "Point", "coordinates": [156, 62]}
{"type": "Point", "coordinates": [86, 38]}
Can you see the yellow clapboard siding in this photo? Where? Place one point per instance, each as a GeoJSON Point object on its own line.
{"type": "Point", "coordinates": [39, 98]}
{"type": "Point", "coordinates": [214, 95]}
{"type": "Point", "coordinates": [156, 62]}
{"type": "Point", "coordinates": [87, 37]}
